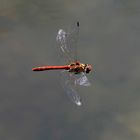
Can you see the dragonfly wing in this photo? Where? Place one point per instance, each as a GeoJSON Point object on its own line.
{"type": "Point", "coordinates": [82, 80]}
{"type": "Point", "coordinates": [61, 38]}
{"type": "Point", "coordinates": [70, 88]}
{"type": "Point", "coordinates": [73, 95]}
{"type": "Point", "coordinates": [67, 41]}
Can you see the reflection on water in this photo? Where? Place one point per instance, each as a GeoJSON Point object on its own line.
{"type": "Point", "coordinates": [34, 106]}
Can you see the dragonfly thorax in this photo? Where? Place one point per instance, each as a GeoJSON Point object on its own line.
{"type": "Point", "coordinates": [78, 67]}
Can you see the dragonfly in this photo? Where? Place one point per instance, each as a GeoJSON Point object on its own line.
{"type": "Point", "coordinates": [73, 73]}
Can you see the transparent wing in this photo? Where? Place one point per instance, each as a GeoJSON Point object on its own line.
{"type": "Point", "coordinates": [72, 94]}
{"type": "Point", "coordinates": [67, 41]}
{"type": "Point", "coordinates": [70, 87]}
{"type": "Point", "coordinates": [81, 79]}
{"type": "Point", "coordinates": [70, 81]}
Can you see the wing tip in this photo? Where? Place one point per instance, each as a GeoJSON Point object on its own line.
{"type": "Point", "coordinates": [79, 103]}
{"type": "Point", "coordinates": [78, 24]}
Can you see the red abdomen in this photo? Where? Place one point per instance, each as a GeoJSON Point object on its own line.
{"type": "Point", "coordinates": [66, 67]}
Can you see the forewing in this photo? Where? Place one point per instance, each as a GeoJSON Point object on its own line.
{"type": "Point", "coordinates": [72, 94]}
{"type": "Point", "coordinates": [70, 88]}
{"type": "Point", "coordinates": [81, 79]}
{"type": "Point", "coordinates": [67, 42]}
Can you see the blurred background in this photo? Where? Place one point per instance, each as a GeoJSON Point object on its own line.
{"type": "Point", "coordinates": [34, 106]}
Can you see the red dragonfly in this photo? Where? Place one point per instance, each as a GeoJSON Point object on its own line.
{"type": "Point", "coordinates": [75, 72]}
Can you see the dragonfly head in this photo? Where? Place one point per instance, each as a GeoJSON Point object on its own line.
{"type": "Point", "coordinates": [88, 68]}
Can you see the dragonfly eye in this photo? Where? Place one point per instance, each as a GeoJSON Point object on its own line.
{"type": "Point", "coordinates": [88, 68]}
